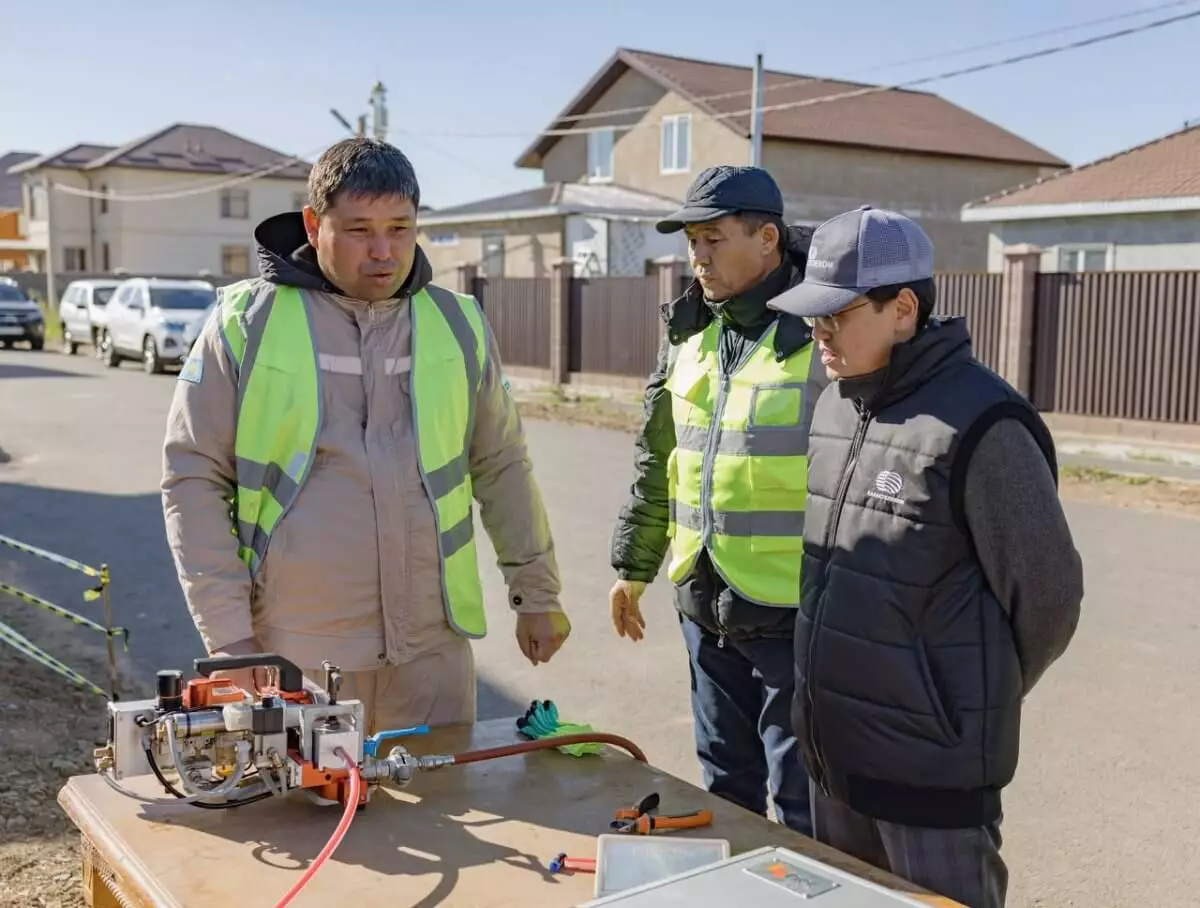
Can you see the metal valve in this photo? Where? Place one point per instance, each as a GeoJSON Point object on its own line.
{"type": "Point", "coordinates": [333, 681]}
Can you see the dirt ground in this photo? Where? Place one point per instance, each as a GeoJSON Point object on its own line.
{"type": "Point", "coordinates": [50, 726]}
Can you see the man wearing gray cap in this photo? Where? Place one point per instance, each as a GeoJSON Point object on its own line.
{"type": "Point", "coordinates": [720, 481]}
{"type": "Point", "coordinates": [940, 579]}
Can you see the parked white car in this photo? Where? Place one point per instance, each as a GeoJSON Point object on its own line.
{"type": "Point", "coordinates": [82, 312]}
{"type": "Point", "coordinates": [193, 332]}
{"type": "Point", "coordinates": [149, 319]}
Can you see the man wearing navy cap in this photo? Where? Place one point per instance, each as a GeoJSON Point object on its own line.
{"type": "Point", "coordinates": [721, 465]}
{"type": "Point", "coordinates": [940, 580]}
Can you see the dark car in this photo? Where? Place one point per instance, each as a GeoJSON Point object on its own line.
{"type": "Point", "coordinates": [20, 317]}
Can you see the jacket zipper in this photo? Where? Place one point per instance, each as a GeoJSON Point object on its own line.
{"type": "Point", "coordinates": [710, 453]}
{"type": "Point", "coordinates": [843, 489]}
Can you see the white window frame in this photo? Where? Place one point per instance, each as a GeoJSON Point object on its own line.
{"type": "Point", "coordinates": [235, 204]}
{"type": "Point", "coordinates": [1075, 248]}
{"type": "Point", "coordinates": [443, 238]}
{"type": "Point", "coordinates": [668, 141]}
{"type": "Point", "coordinates": [596, 173]}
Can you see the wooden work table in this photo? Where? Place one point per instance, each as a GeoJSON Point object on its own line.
{"type": "Point", "coordinates": [480, 835]}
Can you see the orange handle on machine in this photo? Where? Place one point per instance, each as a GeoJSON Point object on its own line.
{"type": "Point", "coordinates": [650, 823]}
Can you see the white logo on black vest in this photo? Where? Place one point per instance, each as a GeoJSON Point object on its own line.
{"type": "Point", "coordinates": [887, 487]}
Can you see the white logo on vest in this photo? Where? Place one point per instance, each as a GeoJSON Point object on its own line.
{"type": "Point", "coordinates": [887, 487]}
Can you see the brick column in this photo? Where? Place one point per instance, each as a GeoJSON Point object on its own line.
{"type": "Point", "coordinates": [671, 269]}
{"type": "Point", "coordinates": [560, 320]}
{"type": "Point", "coordinates": [467, 273]}
{"type": "Point", "coordinates": [1021, 266]}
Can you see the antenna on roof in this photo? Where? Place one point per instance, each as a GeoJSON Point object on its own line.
{"type": "Point", "coordinates": [379, 111]}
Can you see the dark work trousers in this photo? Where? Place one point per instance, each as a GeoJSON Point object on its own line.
{"type": "Point", "coordinates": [960, 864]}
{"type": "Point", "coordinates": [741, 702]}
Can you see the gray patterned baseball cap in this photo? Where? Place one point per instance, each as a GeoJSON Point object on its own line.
{"type": "Point", "coordinates": [855, 252]}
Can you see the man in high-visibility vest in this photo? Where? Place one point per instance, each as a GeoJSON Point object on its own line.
{"type": "Point", "coordinates": [722, 460]}
{"type": "Point", "coordinates": [331, 433]}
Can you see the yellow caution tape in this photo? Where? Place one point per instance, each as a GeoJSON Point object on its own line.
{"type": "Point", "coordinates": [22, 645]}
{"type": "Point", "coordinates": [50, 556]}
{"type": "Point", "coordinates": [64, 613]}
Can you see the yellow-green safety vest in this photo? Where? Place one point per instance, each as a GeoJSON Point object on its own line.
{"type": "Point", "coordinates": [738, 475]}
{"type": "Point", "coordinates": [267, 331]}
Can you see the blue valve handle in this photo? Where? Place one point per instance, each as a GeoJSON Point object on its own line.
{"type": "Point", "coordinates": [371, 744]}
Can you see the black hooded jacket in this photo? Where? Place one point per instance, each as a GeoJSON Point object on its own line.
{"type": "Point", "coordinates": [640, 541]}
{"type": "Point", "coordinates": [285, 257]}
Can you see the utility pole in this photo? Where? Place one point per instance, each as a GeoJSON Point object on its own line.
{"type": "Point", "coordinates": [379, 111]}
{"type": "Point", "coordinates": [756, 113]}
{"type": "Point", "coordinates": [51, 294]}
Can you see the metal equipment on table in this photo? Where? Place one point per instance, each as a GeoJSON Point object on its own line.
{"type": "Point", "coordinates": [766, 878]}
{"type": "Point", "coordinates": [228, 747]}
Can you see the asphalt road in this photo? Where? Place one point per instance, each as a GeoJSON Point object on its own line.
{"type": "Point", "coordinates": [1103, 812]}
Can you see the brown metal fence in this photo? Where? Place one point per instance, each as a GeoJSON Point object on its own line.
{"type": "Point", "coordinates": [518, 309]}
{"type": "Point", "coordinates": [976, 296]}
{"type": "Point", "coordinates": [1118, 344]}
{"type": "Point", "coordinates": [614, 325]}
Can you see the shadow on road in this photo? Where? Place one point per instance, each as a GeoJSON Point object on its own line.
{"type": "Point", "coordinates": [11, 370]}
{"type": "Point", "coordinates": [126, 533]}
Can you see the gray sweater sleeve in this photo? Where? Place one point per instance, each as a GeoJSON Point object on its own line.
{"type": "Point", "coordinates": [1024, 544]}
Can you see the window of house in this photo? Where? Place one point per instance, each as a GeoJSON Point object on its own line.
{"type": "Point", "coordinates": [299, 200]}
{"type": "Point", "coordinates": [1082, 258]}
{"type": "Point", "coordinates": [443, 238]}
{"type": "Point", "coordinates": [677, 143]}
{"type": "Point", "coordinates": [235, 260]}
{"type": "Point", "coordinates": [106, 257]}
{"type": "Point", "coordinates": [37, 202]}
{"type": "Point", "coordinates": [104, 202]}
{"type": "Point", "coordinates": [235, 204]}
{"type": "Point", "coordinates": [74, 258]}
{"type": "Point", "coordinates": [492, 264]}
{"type": "Point", "coordinates": [600, 154]}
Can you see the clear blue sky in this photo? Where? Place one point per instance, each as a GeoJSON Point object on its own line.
{"type": "Point", "coordinates": [85, 71]}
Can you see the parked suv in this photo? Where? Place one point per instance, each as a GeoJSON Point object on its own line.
{"type": "Point", "coordinates": [149, 319]}
{"type": "Point", "coordinates": [82, 312]}
{"type": "Point", "coordinates": [20, 317]}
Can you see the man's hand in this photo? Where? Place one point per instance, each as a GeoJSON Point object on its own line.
{"type": "Point", "coordinates": [626, 616]}
{"type": "Point", "coordinates": [541, 634]}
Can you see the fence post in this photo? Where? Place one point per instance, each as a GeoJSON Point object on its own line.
{"type": "Point", "coordinates": [1017, 295]}
{"type": "Point", "coordinates": [560, 320]}
{"type": "Point", "coordinates": [467, 273]}
{"type": "Point", "coordinates": [670, 276]}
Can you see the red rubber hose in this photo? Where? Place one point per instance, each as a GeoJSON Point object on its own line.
{"type": "Point", "coordinates": [508, 750]}
{"type": "Point", "coordinates": [338, 834]}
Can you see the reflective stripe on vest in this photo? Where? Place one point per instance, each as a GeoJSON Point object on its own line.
{"type": "Point", "coordinates": [279, 418]}
{"type": "Point", "coordinates": [738, 474]}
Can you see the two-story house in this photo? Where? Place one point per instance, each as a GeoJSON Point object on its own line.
{"type": "Point", "coordinates": [624, 150]}
{"type": "Point", "coordinates": [155, 206]}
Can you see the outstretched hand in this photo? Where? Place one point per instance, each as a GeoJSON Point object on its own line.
{"type": "Point", "coordinates": [626, 615]}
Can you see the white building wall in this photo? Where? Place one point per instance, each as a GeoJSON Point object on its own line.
{"type": "Point", "coordinates": [181, 236]}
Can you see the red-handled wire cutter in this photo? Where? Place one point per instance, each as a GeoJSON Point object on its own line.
{"type": "Point", "coordinates": [643, 819]}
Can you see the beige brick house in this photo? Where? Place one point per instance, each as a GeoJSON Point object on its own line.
{"type": "Point", "coordinates": [647, 123]}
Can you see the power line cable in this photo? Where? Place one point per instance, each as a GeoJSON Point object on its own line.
{"type": "Point", "coordinates": [165, 196]}
{"type": "Point", "coordinates": [867, 90]}
{"type": "Point", "coordinates": [806, 80]}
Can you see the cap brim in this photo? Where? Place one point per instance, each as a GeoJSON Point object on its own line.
{"type": "Point", "coordinates": [810, 299]}
{"type": "Point", "coordinates": [685, 216]}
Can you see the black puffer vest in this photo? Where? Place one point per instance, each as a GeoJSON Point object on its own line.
{"type": "Point", "coordinates": [908, 688]}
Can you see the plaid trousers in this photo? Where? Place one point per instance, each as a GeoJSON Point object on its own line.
{"type": "Point", "coordinates": [960, 864]}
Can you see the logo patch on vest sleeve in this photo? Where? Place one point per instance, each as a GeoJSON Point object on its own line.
{"type": "Point", "coordinates": [192, 370]}
{"type": "Point", "coordinates": [888, 486]}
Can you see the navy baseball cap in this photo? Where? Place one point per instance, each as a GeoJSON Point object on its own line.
{"type": "Point", "coordinates": [723, 190]}
{"type": "Point", "coordinates": [855, 252]}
